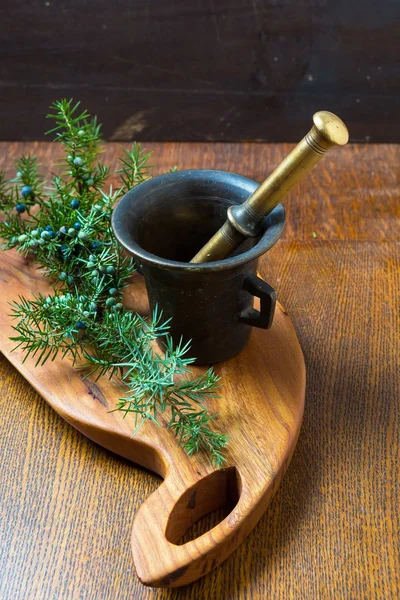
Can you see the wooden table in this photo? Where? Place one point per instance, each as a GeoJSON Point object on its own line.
{"type": "Point", "coordinates": [332, 530]}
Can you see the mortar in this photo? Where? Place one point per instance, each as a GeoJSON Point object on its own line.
{"type": "Point", "coordinates": [163, 222]}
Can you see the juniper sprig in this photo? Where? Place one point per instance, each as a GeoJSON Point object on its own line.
{"type": "Point", "coordinates": [66, 226]}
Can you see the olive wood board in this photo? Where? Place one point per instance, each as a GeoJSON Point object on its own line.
{"type": "Point", "coordinates": [260, 406]}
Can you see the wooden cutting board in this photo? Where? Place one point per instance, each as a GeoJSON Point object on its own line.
{"type": "Point", "coordinates": [261, 408]}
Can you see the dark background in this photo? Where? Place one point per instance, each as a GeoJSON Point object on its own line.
{"type": "Point", "coordinates": [203, 69]}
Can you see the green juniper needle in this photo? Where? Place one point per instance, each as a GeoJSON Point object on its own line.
{"type": "Point", "coordinates": [66, 227]}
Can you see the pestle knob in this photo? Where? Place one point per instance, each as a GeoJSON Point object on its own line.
{"type": "Point", "coordinates": [245, 220]}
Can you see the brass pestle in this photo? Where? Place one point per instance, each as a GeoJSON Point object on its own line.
{"type": "Point", "coordinates": [245, 220]}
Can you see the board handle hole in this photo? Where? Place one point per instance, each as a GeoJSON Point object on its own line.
{"type": "Point", "coordinates": [203, 506]}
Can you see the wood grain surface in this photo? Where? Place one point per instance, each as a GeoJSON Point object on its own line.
{"type": "Point", "coordinates": [202, 70]}
{"type": "Point", "coordinates": [332, 530]}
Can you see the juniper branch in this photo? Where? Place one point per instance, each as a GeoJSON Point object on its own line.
{"type": "Point", "coordinates": [66, 226]}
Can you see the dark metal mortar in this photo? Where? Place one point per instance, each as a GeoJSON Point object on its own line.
{"type": "Point", "coordinates": [163, 222]}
